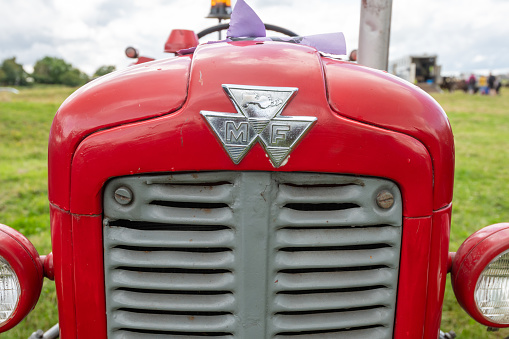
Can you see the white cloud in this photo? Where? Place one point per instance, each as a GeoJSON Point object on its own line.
{"type": "Point", "coordinates": [479, 58]}
{"type": "Point", "coordinates": [93, 33]}
{"type": "Point", "coordinates": [460, 32]}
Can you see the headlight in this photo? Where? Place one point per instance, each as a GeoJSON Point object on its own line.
{"type": "Point", "coordinates": [492, 290]}
{"type": "Point", "coordinates": [480, 275]}
{"type": "Point", "coordinates": [21, 274]}
{"type": "Point", "coordinates": [9, 291]}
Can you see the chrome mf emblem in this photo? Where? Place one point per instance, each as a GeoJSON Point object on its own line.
{"type": "Point", "coordinates": [258, 118]}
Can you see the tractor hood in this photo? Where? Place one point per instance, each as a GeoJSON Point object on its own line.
{"type": "Point", "coordinates": [163, 87]}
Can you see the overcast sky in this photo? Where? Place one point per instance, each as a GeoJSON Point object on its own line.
{"type": "Point", "coordinates": [466, 35]}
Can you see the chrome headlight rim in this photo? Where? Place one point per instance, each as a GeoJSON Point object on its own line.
{"type": "Point", "coordinates": [7, 272]}
{"type": "Point", "coordinates": [474, 255]}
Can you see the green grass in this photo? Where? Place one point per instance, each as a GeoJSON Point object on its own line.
{"type": "Point", "coordinates": [480, 125]}
{"type": "Point", "coordinates": [25, 120]}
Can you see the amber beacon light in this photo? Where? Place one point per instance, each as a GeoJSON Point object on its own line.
{"type": "Point", "coordinates": [21, 276]}
{"type": "Point", "coordinates": [220, 9]}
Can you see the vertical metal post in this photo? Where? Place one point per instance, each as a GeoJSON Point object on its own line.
{"type": "Point", "coordinates": [219, 37]}
{"type": "Point", "coordinates": [374, 33]}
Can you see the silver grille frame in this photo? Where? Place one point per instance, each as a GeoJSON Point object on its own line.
{"type": "Point", "coordinates": [251, 255]}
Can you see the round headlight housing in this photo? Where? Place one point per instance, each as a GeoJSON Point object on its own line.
{"type": "Point", "coordinates": [10, 291]}
{"type": "Point", "coordinates": [480, 275]}
{"type": "Point", "coordinates": [21, 275]}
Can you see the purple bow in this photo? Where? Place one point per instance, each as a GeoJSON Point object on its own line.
{"type": "Point", "coordinates": [246, 25]}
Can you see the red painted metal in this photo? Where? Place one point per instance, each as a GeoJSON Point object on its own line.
{"type": "Point", "coordinates": [121, 125]}
{"type": "Point", "coordinates": [23, 258]}
{"type": "Point", "coordinates": [47, 265]}
{"type": "Point", "coordinates": [142, 60]}
{"type": "Point", "coordinates": [438, 268]}
{"type": "Point", "coordinates": [182, 141]}
{"type": "Point", "coordinates": [413, 278]}
{"type": "Point", "coordinates": [89, 277]}
{"type": "Point", "coordinates": [383, 100]}
{"type": "Point", "coordinates": [63, 263]}
{"type": "Point", "coordinates": [137, 93]}
{"type": "Point", "coordinates": [472, 257]}
{"type": "Point", "coordinates": [450, 260]}
{"type": "Point", "coordinates": [180, 39]}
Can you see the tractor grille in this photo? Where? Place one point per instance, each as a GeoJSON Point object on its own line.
{"type": "Point", "coordinates": [250, 255]}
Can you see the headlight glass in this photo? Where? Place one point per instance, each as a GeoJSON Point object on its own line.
{"type": "Point", "coordinates": [10, 290]}
{"type": "Point", "coordinates": [492, 290]}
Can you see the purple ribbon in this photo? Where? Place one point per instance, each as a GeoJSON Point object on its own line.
{"type": "Point", "coordinates": [245, 24]}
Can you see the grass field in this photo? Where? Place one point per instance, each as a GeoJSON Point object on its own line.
{"type": "Point", "coordinates": [480, 125]}
{"type": "Point", "coordinates": [25, 120]}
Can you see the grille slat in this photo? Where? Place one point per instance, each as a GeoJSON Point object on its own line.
{"type": "Point", "coordinates": [174, 323]}
{"type": "Point", "coordinates": [201, 179]}
{"type": "Point", "coordinates": [327, 301]}
{"type": "Point", "coordinates": [174, 302]}
{"type": "Point", "coordinates": [332, 320]}
{"type": "Point", "coordinates": [354, 216]}
{"type": "Point", "coordinates": [171, 281]}
{"type": "Point", "coordinates": [334, 280]}
{"type": "Point", "coordinates": [186, 216]}
{"type": "Point", "coordinates": [251, 255]}
{"type": "Point", "coordinates": [136, 335]}
{"type": "Point", "coordinates": [334, 259]}
{"type": "Point", "coordinates": [171, 259]}
{"type": "Point", "coordinates": [336, 237]}
{"type": "Point", "coordinates": [173, 239]}
{"type": "Point", "coordinates": [320, 195]}
{"type": "Point", "coordinates": [371, 333]}
{"type": "Point", "coordinates": [190, 193]}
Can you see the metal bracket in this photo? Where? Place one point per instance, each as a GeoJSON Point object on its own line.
{"type": "Point", "coordinates": [52, 333]}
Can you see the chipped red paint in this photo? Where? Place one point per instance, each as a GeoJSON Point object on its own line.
{"type": "Point", "coordinates": [136, 93]}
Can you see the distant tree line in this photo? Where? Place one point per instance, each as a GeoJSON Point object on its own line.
{"type": "Point", "coordinates": [48, 70]}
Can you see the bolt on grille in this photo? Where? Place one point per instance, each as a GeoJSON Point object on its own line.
{"type": "Point", "coordinates": [251, 255]}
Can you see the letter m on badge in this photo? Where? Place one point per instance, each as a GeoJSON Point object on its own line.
{"type": "Point", "coordinates": [236, 132]}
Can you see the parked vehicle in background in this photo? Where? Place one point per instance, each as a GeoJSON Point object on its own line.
{"type": "Point", "coordinates": [421, 70]}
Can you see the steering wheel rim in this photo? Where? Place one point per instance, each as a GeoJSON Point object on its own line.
{"type": "Point", "coordinates": [222, 27]}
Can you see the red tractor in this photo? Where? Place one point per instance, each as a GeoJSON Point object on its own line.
{"type": "Point", "coordinates": [253, 189]}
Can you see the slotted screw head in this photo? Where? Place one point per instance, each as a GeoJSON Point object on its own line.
{"type": "Point", "coordinates": [123, 196]}
{"type": "Point", "coordinates": [385, 199]}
